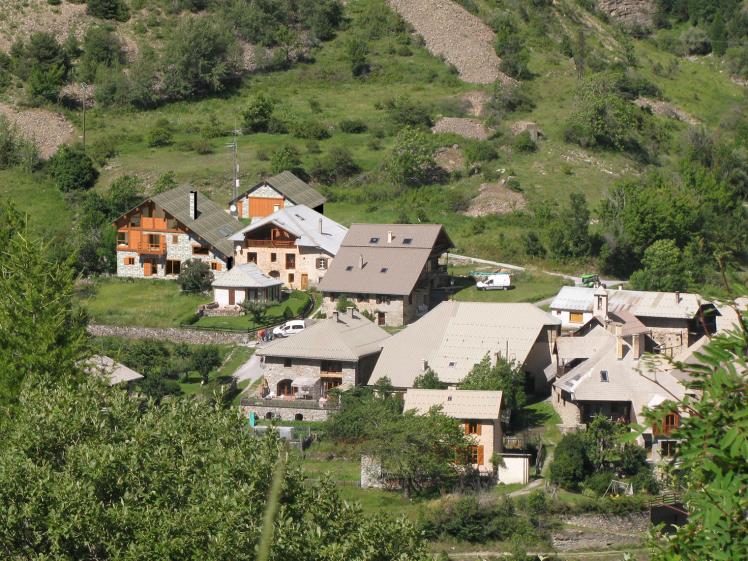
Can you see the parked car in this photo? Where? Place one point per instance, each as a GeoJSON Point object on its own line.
{"type": "Point", "coordinates": [289, 328]}
{"type": "Point", "coordinates": [499, 281]}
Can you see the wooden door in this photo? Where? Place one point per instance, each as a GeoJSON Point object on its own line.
{"type": "Point", "coordinates": [304, 281]}
{"type": "Point", "coordinates": [232, 297]}
{"type": "Point", "coordinates": [147, 268]}
{"type": "Point", "coordinates": [380, 318]}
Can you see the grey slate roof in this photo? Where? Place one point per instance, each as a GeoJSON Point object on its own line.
{"type": "Point", "coordinates": [459, 404]}
{"type": "Point", "coordinates": [304, 223]}
{"type": "Point", "coordinates": [637, 302]}
{"type": "Point", "coordinates": [213, 223]}
{"type": "Point", "coordinates": [247, 275]}
{"type": "Point", "coordinates": [297, 191]}
{"type": "Point", "coordinates": [391, 268]}
{"type": "Point", "coordinates": [347, 338]}
{"type": "Point", "coordinates": [455, 336]}
{"type": "Point", "coordinates": [114, 372]}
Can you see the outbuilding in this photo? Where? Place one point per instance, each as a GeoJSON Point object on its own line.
{"type": "Point", "coordinates": [245, 282]}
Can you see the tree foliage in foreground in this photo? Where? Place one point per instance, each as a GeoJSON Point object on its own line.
{"type": "Point", "coordinates": [504, 376]}
{"type": "Point", "coordinates": [87, 472]}
{"type": "Point", "coordinates": [711, 464]}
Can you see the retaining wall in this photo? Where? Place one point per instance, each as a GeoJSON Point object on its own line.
{"type": "Point", "coordinates": [173, 334]}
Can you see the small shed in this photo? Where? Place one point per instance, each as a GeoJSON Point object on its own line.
{"type": "Point", "coordinates": [245, 282]}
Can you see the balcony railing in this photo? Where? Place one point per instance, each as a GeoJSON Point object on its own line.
{"type": "Point", "coordinates": [153, 225]}
{"type": "Point", "coordinates": [289, 403]}
{"type": "Point", "coordinates": [149, 248]}
{"type": "Point", "coordinates": [269, 243]}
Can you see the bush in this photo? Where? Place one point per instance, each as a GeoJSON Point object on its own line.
{"type": "Point", "coordinates": [287, 158]}
{"type": "Point", "coordinates": [103, 149]}
{"type": "Point", "coordinates": [480, 151]}
{"type": "Point", "coordinates": [509, 98]}
{"type": "Point", "coordinates": [402, 111]}
{"type": "Point", "coordinates": [204, 359]}
{"type": "Point", "coordinates": [737, 61]}
{"type": "Point", "coordinates": [15, 150]}
{"type": "Point", "coordinates": [352, 126]}
{"type": "Point", "coordinates": [195, 276]}
{"type": "Point", "coordinates": [357, 51]}
{"type": "Point", "coordinates": [598, 482]}
{"type": "Point", "coordinates": [160, 135]}
{"type": "Point", "coordinates": [645, 481]}
{"type": "Point", "coordinates": [533, 246]}
{"type": "Point", "coordinates": [412, 159]}
{"type": "Point", "coordinates": [524, 142]}
{"type": "Point", "coordinates": [570, 463]}
{"type": "Point", "coordinates": [308, 129]}
{"type": "Point", "coordinates": [100, 47]}
{"type": "Point", "coordinates": [72, 169]}
{"type": "Point", "coordinates": [336, 166]}
{"type": "Point", "coordinates": [258, 113]}
{"type": "Point", "coordinates": [537, 503]}
{"type": "Point", "coordinates": [695, 41]}
{"type": "Point", "coordinates": [108, 9]}
{"type": "Point", "coordinates": [633, 459]}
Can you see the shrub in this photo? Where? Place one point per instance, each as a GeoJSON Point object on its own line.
{"type": "Point", "coordinates": [357, 51]}
{"type": "Point", "coordinates": [509, 98]}
{"type": "Point", "coordinates": [737, 61]}
{"type": "Point", "coordinates": [533, 246]}
{"type": "Point", "coordinates": [108, 9]}
{"type": "Point", "coordinates": [570, 464]}
{"type": "Point", "coordinates": [258, 113]}
{"type": "Point", "coordinates": [412, 159]}
{"type": "Point", "coordinates": [480, 151]}
{"type": "Point", "coordinates": [195, 276]}
{"type": "Point", "coordinates": [645, 481]}
{"type": "Point", "coordinates": [524, 142]}
{"type": "Point", "coordinates": [160, 135]}
{"type": "Point", "coordinates": [536, 503]}
{"type": "Point", "coordinates": [100, 47]}
{"type": "Point", "coordinates": [598, 482]}
{"type": "Point", "coordinates": [633, 459]}
{"type": "Point", "coordinates": [353, 126]}
{"type": "Point", "coordinates": [336, 166]}
{"type": "Point", "coordinates": [309, 129]}
{"type": "Point", "coordinates": [15, 150]}
{"type": "Point", "coordinates": [695, 41]}
{"type": "Point", "coordinates": [287, 158]}
{"type": "Point", "coordinates": [402, 111]}
{"type": "Point", "coordinates": [103, 149]}
{"type": "Point", "coordinates": [72, 169]}
{"type": "Point", "coordinates": [204, 359]}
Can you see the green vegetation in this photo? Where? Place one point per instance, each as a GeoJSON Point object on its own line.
{"type": "Point", "coordinates": [148, 303]}
{"type": "Point", "coordinates": [291, 307]}
{"type": "Point", "coordinates": [527, 286]}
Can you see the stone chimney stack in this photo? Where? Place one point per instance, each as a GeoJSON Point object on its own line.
{"type": "Point", "coordinates": [619, 342]}
{"type": "Point", "coordinates": [600, 303]}
{"type": "Point", "coordinates": [336, 316]}
{"type": "Point", "coordinates": [677, 297]}
{"type": "Point", "coordinates": [320, 225]}
{"type": "Point", "coordinates": [638, 345]}
{"type": "Point", "coordinates": [389, 237]}
{"type": "Point", "coordinates": [193, 205]}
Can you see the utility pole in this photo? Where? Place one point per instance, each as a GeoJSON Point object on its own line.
{"type": "Point", "coordinates": [235, 167]}
{"type": "Point", "coordinates": [84, 87]}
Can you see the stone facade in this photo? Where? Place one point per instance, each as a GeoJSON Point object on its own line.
{"type": "Point", "coordinates": [179, 247]}
{"type": "Point", "coordinates": [397, 310]}
{"type": "Point", "coordinates": [272, 261]}
{"type": "Point", "coordinates": [286, 413]}
{"type": "Point", "coordinates": [276, 372]}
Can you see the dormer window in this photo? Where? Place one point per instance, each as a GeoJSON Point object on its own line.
{"type": "Point", "coordinates": [407, 241]}
{"type": "Point", "coordinates": [603, 375]}
{"type": "Point", "coordinates": [452, 364]}
{"type": "Point", "coordinates": [349, 268]}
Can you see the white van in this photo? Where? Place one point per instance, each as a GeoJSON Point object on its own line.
{"type": "Point", "coordinates": [289, 328]}
{"type": "Point", "coordinates": [498, 281]}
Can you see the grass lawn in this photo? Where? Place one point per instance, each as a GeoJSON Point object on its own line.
{"type": "Point", "coordinates": [296, 303]}
{"type": "Point", "coordinates": [233, 358]}
{"type": "Point", "coordinates": [147, 303]}
{"type": "Point", "coordinates": [527, 286]}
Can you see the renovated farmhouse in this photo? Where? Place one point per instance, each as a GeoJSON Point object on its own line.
{"type": "Point", "coordinates": [275, 193]}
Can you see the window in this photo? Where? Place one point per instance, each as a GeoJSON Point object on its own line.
{"type": "Point", "coordinates": [331, 366]}
{"type": "Point", "coordinates": [154, 241]}
{"type": "Point", "coordinates": [452, 364]}
{"type": "Point", "coordinates": [290, 278]}
{"type": "Point", "coordinates": [374, 240]}
{"type": "Point", "coordinates": [407, 241]}
{"type": "Point", "coordinates": [383, 270]}
{"type": "Point", "coordinates": [285, 388]}
{"type": "Point", "coordinates": [473, 455]}
{"type": "Point", "coordinates": [129, 261]}
{"type": "Point", "coordinates": [287, 363]}
{"type": "Point", "coordinates": [575, 317]}
{"type": "Point", "coordinates": [135, 220]}
{"type": "Point", "coordinates": [273, 257]}
{"type": "Point", "coordinates": [671, 423]}
{"type": "Point", "coordinates": [472, 427]}
{"type": "Point", "coordinates": [668, 448]}
{"type": "Point", "coordinates": [200, 250]}
{"type": "Point", "coordinates": [274, 274]}
{"type": "Point", "coordinates": [175, 239]}
{"type": "Point", "coordinates": [121, 238]}
{"type": "Point", "coordinates": [215, 266]}
{"type": "Point", "coordinates": [252, 257]}
{"type": "Point", "coordinates": [173, 267]}
{"type": "Point", "coordinates": [290, 260]}
{"type": "Point", "coordinates": [349, 268]}
{"type": "Point", "coordinates": [322, 263]}
{"type": "Point", "coordinates": [603, 375]}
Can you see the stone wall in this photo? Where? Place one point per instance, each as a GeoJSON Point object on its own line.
{"type": "Point", "coordinates": [275, 371]}
{"type": "Point", "coordinates": [392, 307]}
{"type": "Point", "coordinates": [173, 334]}
{"type": "Point", "coordinates": [285, 413]}
{"type": "Point", "coordinates": [305, 263]}
{"type": "Point", "coordinates": [630, 12]}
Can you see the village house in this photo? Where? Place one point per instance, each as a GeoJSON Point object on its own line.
{"type": "Point", "coordinates": [479, 412]}
{"type": "Point", "coordinates": [245, 282]}
{"type": "Point", "coordinates": [299, 371]}
{"type": "Point", "coordinates": [391, 271]}
{"type": "Point", "coordinates": [165, 230]}
{"type": "Point", "coordinates": [673, 320]}
{"type": "Point", "coordinates": [275, 193]}
{"type": "Point", "coordinates": [294, 244]}
{"type": "Point", "coordinates": [455, 336]}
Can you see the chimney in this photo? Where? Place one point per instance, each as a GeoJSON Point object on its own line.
{"type": "Point", "coordinates": [361, 261]}
{"type": "Point", "coordinates": [619, 342]}
{"type": "Point", "coordinates": [193, 205]}
{"type": "Point", "coordinates": [336, 316]}
{"type": "Point", "coordinates": [350, 310]}
{"type": "Point", "coordinates": [425, 365]}
{"type": "Point", "coordinates": [389, 237]}
{"type": "Point", "coordinates": [677, 297]}
{"type": "Point", "coordinates": [600, 304]}
{"type": "Point", "coordinates": [638, 345]}
{"type": "Point", "coordinates": [320, 225]}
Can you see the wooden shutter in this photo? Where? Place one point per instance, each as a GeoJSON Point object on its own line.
{"type": "Point", "coordinates": [466, 427]}
{"type": "Point", "coordinates": [478, 426]}
{"type": "Point", "coordinates": [480, 455]}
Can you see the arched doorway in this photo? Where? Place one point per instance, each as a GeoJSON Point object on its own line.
{"type": "Point", "coordinates": [298, 417]}
{"type": "Point", "coordinates": [284, 388]}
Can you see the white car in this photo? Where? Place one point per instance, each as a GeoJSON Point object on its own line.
{"type": "Point", "coordinates": [289, 328]}
{"type": "Point", "coordinates": [499, 281]}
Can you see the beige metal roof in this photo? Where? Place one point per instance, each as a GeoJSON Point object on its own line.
{"type": "Point", "coordinates": [369, 263]}
{"type": "Point", "coordinates": [291, 187]}
{"type": "Point", "coordinates": [247, 275]}
{"type": "Point", "coordinates": [213, 224]}
{"type": "Point", "coordinates": [570, 348]}
{"type": "Point", "coordinates": [115, 372]}
{"type": "Point", "coordinates": [460, 404]}
{"type": "Point", "coordinates": [347, 337]}
{"type": "Point", "coordinates": [455, 336]}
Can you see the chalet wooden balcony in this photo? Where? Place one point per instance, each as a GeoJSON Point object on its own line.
{"type": "Point", "coordinates": [154, 225]}
{"type": "Point", "coordinates": [144, 247]}
{"type": "Point", "coordinates": [270, 243]}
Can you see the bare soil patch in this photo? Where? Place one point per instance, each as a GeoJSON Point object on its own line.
{"type": "Point", "coordinates": [595, 531]}
{"type": "Point", "coordinates": [477, 100]}
{"type": "Point", "coordinates": [455, 34]}
{"type": "Point", "coordinates": [666, 110]}
{"type": "Point", "coordinates": [495, 198]}
{"type": "Point", "coordinates": [468, 128]}
{"type": "Point", "coordinates": [18, 20]}
{"type": "Point", "coordinates": [48, 130]}
{"type": "Point", "coordinates": [449, 159]}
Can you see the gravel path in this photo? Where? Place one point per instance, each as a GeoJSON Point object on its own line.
{"type": "Point", "coordinates": [455, 34]}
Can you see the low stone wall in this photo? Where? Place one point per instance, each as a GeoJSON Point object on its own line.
{"type": "Point", "coordinates": [173, 334]}
{"type": "Point", "coordinates": [286, 413]}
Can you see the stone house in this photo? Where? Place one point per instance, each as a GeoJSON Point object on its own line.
{"type": "Point", "coordinates": [479, 412]}
{"type": "Point", "coordinates": [455, 336]}
{"type": "Point", "coordinates": [295, 245]}
{"type": "Point", "coordinates": [391, 271]}
{"type": "Point", "coordinates": [338, 352]}
{"type": "Point", "coordinates": [674, 320]}
{"type": "Point", "coordinates": [245, 282]}
{"type": "Point", "coordinates": [275, 193]}
{"type": "Point", "coordinates": [165, 230]}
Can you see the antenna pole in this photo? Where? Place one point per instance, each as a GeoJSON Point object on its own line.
{"type": "Point", "coordinates": [236, 165]}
